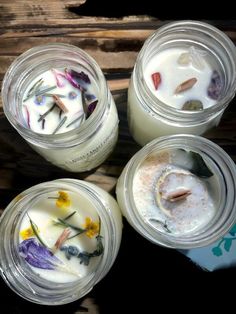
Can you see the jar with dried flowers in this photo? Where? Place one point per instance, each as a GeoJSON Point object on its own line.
{"type": "Point", "coordinates": [57, 98]}
{"type": "Point", "coordinates": [60, 238]}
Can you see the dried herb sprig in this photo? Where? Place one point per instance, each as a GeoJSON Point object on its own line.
{"type": "Point", "coordinates": [76, 120]}
{"type": "Point", "coordinates": [33, 89]}
{"type": "Point", "coordinates": [58, 95]}
{"type": "Point", "coordinates": [46, 113]}
{"type": "Point", "coordinates": [70, 215]}
{"type": "Point", "coordinates": [163, 224]}
{"type": "Point", "coordinates": [66, 224]}
{"type": "Point", "coordinates": [45, 90]}
{"type": "Point", "coordinates": [59, 125]}
{"type": "Point", "coordinates": [35, 230]}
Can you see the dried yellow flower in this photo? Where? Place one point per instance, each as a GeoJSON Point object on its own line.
{"type": "Point", "coordinates": [63, 201]}
{"type": "Point", "coordinates": [92, 228]}
{"type": "Point", "coordinates": [26, 233]}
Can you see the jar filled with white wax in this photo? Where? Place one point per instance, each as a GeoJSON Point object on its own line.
{"type": "Point", "coordinates": [57, 98]}
{"type": "Point", "coordinates": [58, 239]}
{"type": "Point", "coordinates": [183, 80]}
{"type": "Point", "coordinates": [179, 191]}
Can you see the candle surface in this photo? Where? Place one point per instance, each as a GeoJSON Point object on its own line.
{"type": "Point", "coordinates": [60, 237]}
{"type": "Point", "coordinates": [175, 191]}
{"type": "Point", "coordinates": [59, 100]}
{"type": "Point", "coordinates": [175, 66]}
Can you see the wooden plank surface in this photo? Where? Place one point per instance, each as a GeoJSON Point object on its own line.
{"type": "Point", "coordinates": [114, 43]}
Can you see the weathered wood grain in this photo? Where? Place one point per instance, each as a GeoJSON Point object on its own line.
{"type": "Point", "coordinates": [114, 43]}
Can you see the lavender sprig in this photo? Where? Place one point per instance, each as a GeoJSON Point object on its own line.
{"type": "Point", "coordinates": [60, 125]}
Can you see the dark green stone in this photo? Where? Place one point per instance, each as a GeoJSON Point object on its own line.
{"type": "Point", "coordinates": [192, 105]}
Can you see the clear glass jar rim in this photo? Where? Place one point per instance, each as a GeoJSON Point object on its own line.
{"type": "Point", "coordinates": [172, 112]}
{"type": "Point", "coordinates": [86, 283]}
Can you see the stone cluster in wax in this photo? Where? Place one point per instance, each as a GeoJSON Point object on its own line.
{"type": "Point", "coordinates": [184, 78]}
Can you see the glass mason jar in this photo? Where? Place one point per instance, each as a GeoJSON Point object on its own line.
{"type": "Point", "coordinates": [179, 191]}
{"type": "Point", "coordinates": [83, 148]}
{"type": "Point", "coordinates": [40, 285]}
{"type": "Point", "coordinates": [150, 117]}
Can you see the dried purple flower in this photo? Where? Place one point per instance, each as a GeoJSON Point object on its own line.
{"type": "Point", "coordinates": [72, 80]}
{"type": "Point", "coordinates": [215, 86]}
{"type": "Point", "coordinates": [92, 106]}
{"type": "Point", "coordinates": [81, 76]}
{"type": "Point", "coordinates": [37, 255]}
{"type": "Point", "coordinates": [40, 100]}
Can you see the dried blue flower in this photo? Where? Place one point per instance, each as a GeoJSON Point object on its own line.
{"type": "Point", "coordinates": [40, 100]}
{"type": "Point", "coordinates": [84, 258]}
{"type": "Point", "coordinates": [72, 95]}
{"type": "Point", "coordinates": [65, 249]}
{"type": "Point", "coordinates": [99, 250]}
{"type": "Point", "coordinates": [37, 255]}
{"type": "Point", "coordinates": [89, 97]}
{"type": "Point", "coordinates": [70, 250]}
{"type": "Point", "coordinates": [215, 86]}
{"type": "Point", "coordinates": [73, 250]}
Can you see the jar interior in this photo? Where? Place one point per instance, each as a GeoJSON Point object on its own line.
{"type": "Point", "coordinates": [181, 192]}
{"type": "Point", "coordinates": [177, 197]}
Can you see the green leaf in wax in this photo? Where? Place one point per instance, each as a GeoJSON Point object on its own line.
{"type": "Point", "coordinates": [227, 245]}
{"type": "Point", "coordinates": [199, 167]}
{"type": "Point", "coordinates": [217, 251]}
